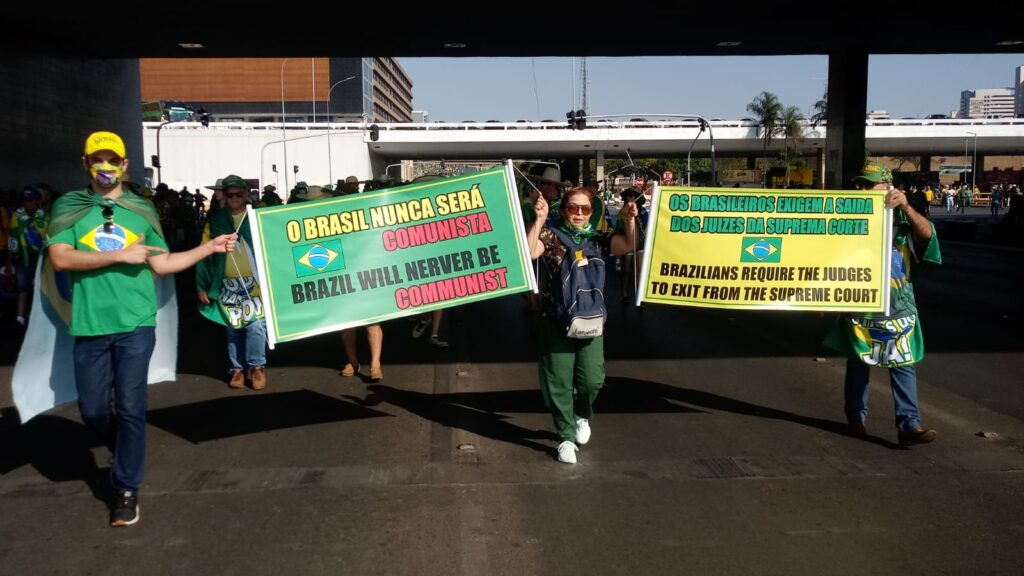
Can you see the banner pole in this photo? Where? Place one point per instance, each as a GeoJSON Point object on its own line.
{"type": "Point", "coordinates": [513, 197]}
{"type": "Point", "coordinates": [652, 222]}
{"type": "Point", "coordinates": [261, 275]}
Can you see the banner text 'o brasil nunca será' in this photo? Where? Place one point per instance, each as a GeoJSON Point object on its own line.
{"type": "Point", "coordinates": [769, 249]}
{"type": "Point", "coordinates": [359, 259]}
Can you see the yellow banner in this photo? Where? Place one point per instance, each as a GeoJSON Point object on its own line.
{"type": "Point", "coordinates": [768, 249]}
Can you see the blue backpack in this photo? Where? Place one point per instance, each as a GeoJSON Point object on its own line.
{"type": "Point", "coordinates": [580, 306]}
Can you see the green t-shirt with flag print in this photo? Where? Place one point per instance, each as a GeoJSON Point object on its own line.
{"type": "Point", "coordinates": [118, 298]}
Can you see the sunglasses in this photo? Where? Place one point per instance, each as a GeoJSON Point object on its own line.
{"type": "Point", "coordinates": [233, 194]}
{"type": "Point", "coordinates": [578, 209]}
{"type": "Point", "coordinates": [108, 214]}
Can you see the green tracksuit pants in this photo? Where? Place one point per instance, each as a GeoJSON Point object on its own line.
{"type": "Point", "coordinates": [571, 374]}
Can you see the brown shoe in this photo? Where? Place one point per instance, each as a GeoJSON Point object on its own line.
{"type": "Point", "coordinates": [917, 436]}
{"type": "Point", "coordinates": [349, 370]}
{"type": "Point", "coordinates": [857, 429]}
{"type": "Point", "coordinates": [237, 379]}
{"type": "Point", "coordinates": [376, 374]}
{"type": "Point", "coordinates": [259, 378]}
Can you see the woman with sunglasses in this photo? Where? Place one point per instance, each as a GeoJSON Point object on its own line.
{"type": "Point", "coordinates": [571, 370]}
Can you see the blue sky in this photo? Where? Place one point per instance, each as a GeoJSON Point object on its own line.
{"type": "Point", "coordinates": [456, 89]}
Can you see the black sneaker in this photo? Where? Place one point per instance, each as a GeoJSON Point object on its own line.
{"type": "Point", "coordinates": [125, 510]}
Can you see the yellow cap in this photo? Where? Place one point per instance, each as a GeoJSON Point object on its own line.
{"type": "Point", "coordinates": [104, 141]}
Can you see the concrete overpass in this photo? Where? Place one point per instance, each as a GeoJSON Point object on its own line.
{"type": "Point", "coordinates": [192, 155]}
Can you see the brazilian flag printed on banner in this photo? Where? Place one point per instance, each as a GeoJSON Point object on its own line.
{"type": "Point", "coordinates": [767, 250]}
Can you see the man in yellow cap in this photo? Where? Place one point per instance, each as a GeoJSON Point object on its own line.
{"type": "Point", "coordinates": [894, 341]}
{"type": "Point", "coordinates": [111, 242]}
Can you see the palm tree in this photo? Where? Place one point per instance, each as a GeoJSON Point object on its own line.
{"type": "Point", "coordinates": [767, 109]}
{"type": "Point", "coordinates": [913, 160]}
{"type": "Point", "coordinates": [791, 123]}
{"type": "Point", "coordinates": [820, 111]}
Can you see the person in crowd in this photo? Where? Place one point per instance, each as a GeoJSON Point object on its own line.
{"type": "Point", "coordinates": [27, 236]}
{"type": "Point", "coordinates": [895, 341]}
{"type": "Point", "coordinates": [112, 244]}
{"type": "Point", "coordinates": [229, 293]}
{"type": "Point", "coordinates": [571, 370]}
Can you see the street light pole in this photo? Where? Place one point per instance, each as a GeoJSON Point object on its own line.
{"type": "Point", "coordinates": [284, 132]}
{"type": "Point", "coordinates": [974, 163]}
{"type": "Point", "coordinates": [159, 160]}
{"type": "Point", "coordinates": [330, 166]}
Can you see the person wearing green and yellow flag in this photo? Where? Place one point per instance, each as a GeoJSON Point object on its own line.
{"type": "Point", "coordinates": [894, 341]}
{"type": "Point", "coordinates": [228, 291]}
{"type": "Point", "coordinates": [111, 242]}
{"type": "Point", "coordinates": [27, 237]}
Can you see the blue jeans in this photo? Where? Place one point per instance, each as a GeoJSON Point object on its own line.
{"type": "Point", "coordinates": [904, 394]}
{"type": "Point", "coordinates": [110, 375]}
{"type": "Point", "coordinates": [250, 342]}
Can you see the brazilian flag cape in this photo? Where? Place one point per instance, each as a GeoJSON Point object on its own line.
{"type": "Point", "coordinates": [210, 271]}
{"type": "Point", "coordinates": [44, 373]}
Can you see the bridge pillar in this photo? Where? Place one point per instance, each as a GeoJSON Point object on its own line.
{"type": "Point", "coordinates": [926, 163]}
{"type": "Point", "coordinates": [571, 170]}
{"type": "Point", "coordinates": [752, 163]}
{"type": "Point", "coordinates": [588, 173]}
{"type": "Point", "coordinates": [847, 102]}
{"type": "Point", "coordinates": [979, 168]}
{"type": "Point", "coordinates": [600, 166]}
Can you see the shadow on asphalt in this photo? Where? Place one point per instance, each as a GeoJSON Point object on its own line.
{"type": "Point", "coordinates": [254, 413]}
{"type": "Point", "coordinates": [644, 394]}
{"type": "Point", "coordinates": [58, 448]}
{"type": "Point", "coordinates": [475, 412]}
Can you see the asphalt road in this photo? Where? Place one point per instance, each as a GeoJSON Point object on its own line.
{"type": "Point", "coordinates": [718, 448]}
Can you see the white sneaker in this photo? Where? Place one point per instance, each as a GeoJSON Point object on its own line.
{"type": "Point", "coordinates": [567, 452]}
{"type": "Point", "coordinates": [420, 327]}
{"type": "Point", "coordinates": [582, 431]}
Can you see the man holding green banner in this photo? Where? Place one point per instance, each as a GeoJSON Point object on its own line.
{"type": "Point", "coordinates": [228, 292]}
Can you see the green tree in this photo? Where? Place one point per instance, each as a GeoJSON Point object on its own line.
{"type": "Point", "coordinates": [767, 110]}
{"type": "Point", "coordinates": [901, 160]}
{"type": "Point", "coordinates": [820, 111]}
{"type": "Point", "coordinates": [791, 123]}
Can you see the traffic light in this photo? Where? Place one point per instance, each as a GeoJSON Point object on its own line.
{"type": "Point", "coordinates": [571, 115]}
{"type": "Point", "coordinates": [581, 120]}
{"type": "Point", "coordinates": [204, 117]}
{"type": "Point", "coordinates": [155, 161]}
{"type": "Point", "coordinates": [374, 132]}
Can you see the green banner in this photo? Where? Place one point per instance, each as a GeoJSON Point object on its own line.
{"type": "Point", "coordinates": [352, 260]}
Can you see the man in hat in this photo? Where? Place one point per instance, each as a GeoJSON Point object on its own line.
{"type": "Point", "coordinates": [894, 341]}
{"type": "Point", "coordinates": [28, 235]}
{"type": "Point", "coordinates": [229, 293]}
{"type": "Point", "coordinates": [112, 244]}
{"type": "Point", "coordinates": [217, 200]}
{"type": "Point", "coordinates": [270, 197]}
{"type": "Point", "coordinates": [349, 186]}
